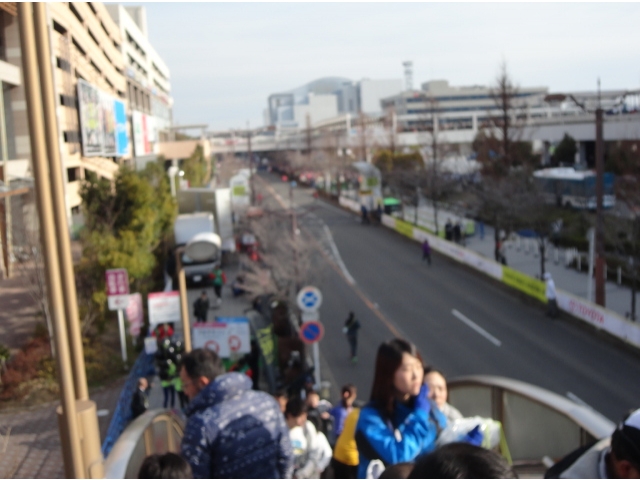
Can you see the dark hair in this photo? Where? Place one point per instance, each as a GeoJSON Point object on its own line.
{"type": "Point", "coordinates": [388, 360]}
{"type": "Point", "coordinates": [169, 465]}
{"type": "Point", "coordinates": [202, 362]}
{"type": "Point", "coordinates": [281, 393]}
{"type": "Point", "coordinates": [625, 443]}
{"type": "Point", "coordinates": [462, 460]}
{"type": "Point", "coordinates": [350, 388]}
{"type": "Point", "coordinates": [399, 470]}
{"type": "Point", "coordinates": [295, 407]}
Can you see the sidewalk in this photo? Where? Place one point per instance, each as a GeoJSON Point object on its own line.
{"type": "Point", "coordinates": [618, 297]}
{"type": "Point", "coordinates": [33, 444]}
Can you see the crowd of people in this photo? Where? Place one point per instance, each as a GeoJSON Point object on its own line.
{"type": "Point", "coordinates": [236, 431]}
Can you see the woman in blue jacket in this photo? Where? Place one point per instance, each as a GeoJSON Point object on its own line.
{"type": "Point", "coordinates": [399, 423]}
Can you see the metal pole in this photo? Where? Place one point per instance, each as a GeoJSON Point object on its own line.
{"type": "Point", "coordinates": [184, 309]}
{"type": "Point", "coordinates": [69, 434]}
{"type": "Point", "coordinates": [294, 233]}
{"type": "Point", "coordinates": [600, 280]}
{"type": "Point", "coordinates": [123, 341]}
{"type": "Point", "coordinates": [59, 203]}
{"type": "Point", "coordinates": [590, 273]}
{"type": "Point", "coordinates": [5, 210]}
{"type": "Point", "coordinates": [253, 190]}
{"type": "Point", "coordinates": [316, 364]}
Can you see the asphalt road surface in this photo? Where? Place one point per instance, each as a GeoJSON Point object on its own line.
{"type": "Point", "coordinates": [461, 322]}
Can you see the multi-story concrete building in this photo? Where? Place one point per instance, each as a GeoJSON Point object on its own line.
{"type": "Point", "coordinates": [457, 108]}
{"type": "Point", "coordinates": [112, 92]}
{"type": "Point", "coordinates": [148, 83]}
{"type": "Point", "coordinates": [327, 98]}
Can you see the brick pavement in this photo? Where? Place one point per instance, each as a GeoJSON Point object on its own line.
{"type": "Point", "coordinates": [33, 447]}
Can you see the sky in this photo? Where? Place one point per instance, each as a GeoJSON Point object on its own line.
{"type": "Point", "coordinates": [227, 58]}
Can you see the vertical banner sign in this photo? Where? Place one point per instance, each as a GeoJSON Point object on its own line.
{"type": "Point", "coordinates": [122, 138]}
{"type": "Point", "coordinates": [91, 126]}
{"type": "Point", "coordinates": [108, 125]}
{"type": "Point", "coordinates": [135, 314]}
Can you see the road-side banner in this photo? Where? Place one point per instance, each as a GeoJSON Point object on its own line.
{"type": "Point", "coordinates": [404, 228]}
{"type": "Point", "coordinates": [212, 336]}
{"type": "Point", "coordinates": [135, 315]}
{"type": "Point", "coordinates": [388, 221]}
{"type": "Point", "coordinates": [599, 317]}
{"type": "Point", "coordinates": [164, 307]}
{"type": "Point", "coordinates": [238, 334]}
{"type": "Point", "coordinates": [350, 204]}
{"type": "Point", "coordinates": [529, 285]}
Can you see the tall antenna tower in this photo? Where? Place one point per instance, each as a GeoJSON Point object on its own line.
{"type": "Point", "coordinates": [408, 75]}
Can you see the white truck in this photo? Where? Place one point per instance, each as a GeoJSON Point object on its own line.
{"type": "Point", "coordinates": [187, 226]}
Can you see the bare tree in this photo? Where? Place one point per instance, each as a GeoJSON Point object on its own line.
{"type": "Point", "coordinates": [506, 160]}
{"type": "Point", "coordinates": [287, 260]}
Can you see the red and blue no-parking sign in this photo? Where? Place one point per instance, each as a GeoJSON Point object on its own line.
{"type": "Point", "coordinates": [311, 332]}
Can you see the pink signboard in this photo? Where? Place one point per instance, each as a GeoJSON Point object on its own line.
{"type": "Point", "coordinates": [135, 315]}
{"type": "Point", "coordinates": [117, 281]}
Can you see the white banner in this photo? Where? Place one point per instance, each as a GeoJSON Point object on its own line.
{"type": "Point", "coordinates": [213, 336]}
{"type": "Point", "coordinates": [600, 317]}
{"type": "Point", "coordinates": [164, 307]}
{"type": "Point", "coordinates": [238, 336]}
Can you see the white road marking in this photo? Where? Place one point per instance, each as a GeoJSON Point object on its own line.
{"type": "Point", "coordinates": [336, 255]}
{"type": "Point", "coordinates": [476, 327]}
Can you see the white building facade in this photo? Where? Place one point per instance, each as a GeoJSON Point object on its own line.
{"type": "Point", "coordinates": [148, 83]}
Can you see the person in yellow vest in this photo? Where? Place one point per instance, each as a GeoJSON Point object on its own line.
{"type": "Point", "coordinates": [345, 453]}
{"type": "Point", "coordinates": [177, 385]}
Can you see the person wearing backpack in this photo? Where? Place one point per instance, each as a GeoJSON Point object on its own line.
{"type": "Point", "coordinates": [219, 279]}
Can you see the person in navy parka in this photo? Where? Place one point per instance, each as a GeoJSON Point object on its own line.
{"type": "Point", "coordinates": [232, 431]}
{"type": "Point", "coordinates": [400, 422]}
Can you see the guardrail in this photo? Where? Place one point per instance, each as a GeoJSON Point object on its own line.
{"type": "Point", "coordinates": [537, 422]}
{"type": "Point", "coordinates": [580, 308]}
{"type": "Point", "coordinates": [155, 431]}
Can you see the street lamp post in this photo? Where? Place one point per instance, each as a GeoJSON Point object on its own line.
{"type": "Point", "coordinates": [600, 279]}
{"type": "Point", "coordinates": [174, 171]}
{"type": "Point", "coordinates": [203, 246]}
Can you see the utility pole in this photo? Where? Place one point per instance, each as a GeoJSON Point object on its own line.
{"type": "Point", "coordinates": [294, 233]}
{"type": "Point", "coordinates": [600, 258]}
{"type": "Point", "coordinates": [253, 190]}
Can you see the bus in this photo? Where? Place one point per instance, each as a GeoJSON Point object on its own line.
{"type": "Point", "coordinates": [567, 187]}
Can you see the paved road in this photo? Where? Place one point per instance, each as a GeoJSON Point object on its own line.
{"type": "Point", "coordinates": [395, 293]}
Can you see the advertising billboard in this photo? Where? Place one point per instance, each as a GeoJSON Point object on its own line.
{"type": "Point", "coordinates": [91, 126]}
{"type": "Point", "coordinates": [143, 134]}
{"type": "Point", "coordinates": [103, 123]}
{"type": "Point", "coordinates": [122, 136]}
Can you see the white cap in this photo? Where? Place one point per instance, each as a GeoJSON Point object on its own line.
{"type": "Point", "coordinates": [633, 420]}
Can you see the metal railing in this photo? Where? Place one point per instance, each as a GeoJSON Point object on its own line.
{"type": "Point", "coordinates": [155, 431]}
{"type": "Point", "coordinates": [540, 426]}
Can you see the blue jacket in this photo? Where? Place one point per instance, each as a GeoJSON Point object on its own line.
{"type": "Point", "coordinates": [407, 435]}
{"type": "Point", "coordinates": [235, 432]}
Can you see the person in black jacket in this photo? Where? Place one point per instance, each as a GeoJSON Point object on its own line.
{"type": "Point", "coordinates": [351, 327]}
{"type": "Point", "coordinates": [140, 400]}
{"type": "Point", "coordinates": [201, 307]}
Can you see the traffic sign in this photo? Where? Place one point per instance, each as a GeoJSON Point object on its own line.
{"type": "Point", "coordinates": [313, 316]}
{"type": "Point", "coordinates": [117, 280]}
{"type": "Point", "coordinates": [311, 332]}
{"type": "Point", "coordinates": [118, 302]}
{"type": "Point", "coordinates": [309, 299]}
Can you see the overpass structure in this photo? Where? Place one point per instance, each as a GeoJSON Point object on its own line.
{"type": "Point", "coordinates": [348, 132]}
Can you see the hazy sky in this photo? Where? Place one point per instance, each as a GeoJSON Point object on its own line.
{"type": "Point", "coordinates": [226, 58]}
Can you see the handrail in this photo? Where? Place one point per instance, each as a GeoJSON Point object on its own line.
{"type": "Point", "coordinates": [593, 422]}
{"type": "Point", "coordinates": [124, 460]}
